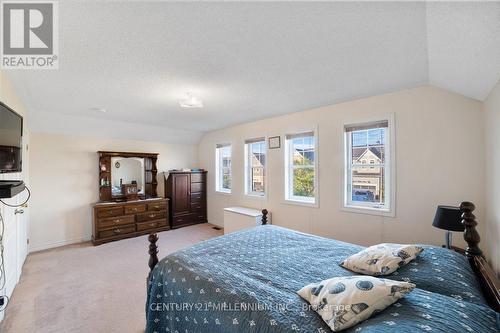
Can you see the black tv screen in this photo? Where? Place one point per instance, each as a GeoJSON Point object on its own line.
{"type": "Point", "coordinates": [11, 133]}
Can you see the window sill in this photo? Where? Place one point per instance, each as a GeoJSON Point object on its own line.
{"type": "Point", "coordinates": [368, 211]}
{"type": "Point", "coordinates": [256, 196]}
{"type": "Point", "coordinates": [223, 192]}
{"type": "Point", "coordinates": [301, 203]}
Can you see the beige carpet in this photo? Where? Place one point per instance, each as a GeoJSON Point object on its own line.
{"type": "Point", "coordinates": [85, 288]}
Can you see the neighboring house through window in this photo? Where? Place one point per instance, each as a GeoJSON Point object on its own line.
{"type": "Point", "coordinates": [223, 167]}
{"type": "Point", "coordinates": [368, 168]}
{"type": "Point", "coordinates": [301, 168]}
{"type": "Point", "coordinates": [255, 167]}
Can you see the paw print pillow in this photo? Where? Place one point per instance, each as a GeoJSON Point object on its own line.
{"type": "Point", "coordinates": [343, 302]}
{"type": "Point", "coordinates": [381, 259]}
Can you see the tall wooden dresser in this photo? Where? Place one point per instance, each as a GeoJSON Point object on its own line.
{"type": "Point", "coordinates": [187, 192]}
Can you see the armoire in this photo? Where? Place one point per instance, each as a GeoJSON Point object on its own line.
{"type": "Point", "coordinates": [187, 191]}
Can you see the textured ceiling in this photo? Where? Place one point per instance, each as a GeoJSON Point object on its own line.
{"type": "Point", "coordinates": [249, 61]}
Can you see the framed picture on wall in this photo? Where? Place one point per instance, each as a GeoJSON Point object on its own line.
{"type": "Point", "coordinates": [274, 142]}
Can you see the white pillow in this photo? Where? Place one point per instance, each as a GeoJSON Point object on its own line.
{"type": "Point", "coordinates": [381, 259]}
{"type": "Point", "coordinates": [343, 302]}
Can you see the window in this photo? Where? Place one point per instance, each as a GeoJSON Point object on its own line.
{"type": "Point", "coordinates": [368, 167]}
{"type": "Point", "coordinates": [300, 168]}
{"type": "Point", "coordinates": [223, 167]}
{"type": "Point", "coordinates": [255, 166]}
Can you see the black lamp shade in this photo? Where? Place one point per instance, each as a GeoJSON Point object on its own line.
{"type": "Point", "coordinates": [448, 218]}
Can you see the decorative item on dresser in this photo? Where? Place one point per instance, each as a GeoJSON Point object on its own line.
{"type": "Point", "coordinates": [187, 191]}
{"type": "Point", "coordinates": [118, 220]}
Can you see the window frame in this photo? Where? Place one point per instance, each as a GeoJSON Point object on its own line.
{"type": "Point", "coordinates": [219, 168]}
{"type": "Point", "coordinates": [388, 209]}
{"type": "Point", "coordinates": [248, 166]}
{"type": "Point", "coordinates": [288, 168]}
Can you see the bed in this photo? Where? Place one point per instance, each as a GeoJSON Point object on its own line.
{"type": "Point", "coordinates": [247, 282]}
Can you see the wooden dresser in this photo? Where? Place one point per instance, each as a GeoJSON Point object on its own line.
{"type": "Point", "coordinates": [187, 192]}
{"type": "Point", "coordinates": [118, 220]}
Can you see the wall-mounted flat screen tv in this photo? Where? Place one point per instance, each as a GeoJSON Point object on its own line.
{"type": "Point", "coordinates": [11, 133]}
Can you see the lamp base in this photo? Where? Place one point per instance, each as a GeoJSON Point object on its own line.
{"type": "Point", "coordinates": [448, 239]}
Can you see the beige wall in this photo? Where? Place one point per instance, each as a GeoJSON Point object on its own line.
{"type": "Point", "coordinates": [64, 173]}
{"type": "Point", "coordinates": [439, 160]}
{"type": "Point", "coordinates": [492, 134]}
{"type": "Point", "coordinates": [16, 225]}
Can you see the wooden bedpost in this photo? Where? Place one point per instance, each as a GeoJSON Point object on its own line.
{"type": "Point", "coordinates": [153, 251]}
{"type": "Point", "coordinates": [264, 216]}
{"type": "Point", "coordinates": [471, 235]}
{"type": "Point", "coordinates": [487, 278]}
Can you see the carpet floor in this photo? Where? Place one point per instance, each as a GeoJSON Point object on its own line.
{"type": "Point", "coordinates": [85, 288]}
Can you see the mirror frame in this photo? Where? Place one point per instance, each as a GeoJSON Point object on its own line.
{"type": "Point", "coordinates": [150, 175]}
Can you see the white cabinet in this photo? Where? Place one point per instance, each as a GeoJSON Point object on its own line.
{"type": "Point", "coordinates": [14, 238]}
{"type": "Point", "coordinates": [239, 218]}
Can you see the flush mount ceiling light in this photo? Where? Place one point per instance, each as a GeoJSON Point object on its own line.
{"type": "Point", "coordinates": [191, 101]}
{"type": "Point", "coordinates": [103, 110]}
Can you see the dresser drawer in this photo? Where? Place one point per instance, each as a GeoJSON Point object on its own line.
{"type": "Point", "coordinates": [109, 211]}
{"type": "Point", "coordinates": [151, 224]}
{"type": "Point", "coordinates": [197, 206]}
{"type": "Point", "coordinates": [157, 206]}
{"type": "Point", "coordinates": [151, 216]}
{"type": "Point", "coordinates": [132, 209]}
{"type": "Point", "coordinates": [117, 231]}
{"type": "Point", "coordinates": [200, 217]}
{"type": "Point", "coordinates": [197, 178]}
{"type": "Point", "coordinates": [183, 219]}
{"type": "Point", "coordinates": [197, 197]}
{"type": "Point", "coordinates": [115, 221]}
{"type": "Point", "coordinates": [196, 188]}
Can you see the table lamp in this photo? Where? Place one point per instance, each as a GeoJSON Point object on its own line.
{"type": "Point", "coordinates": [450, 219]}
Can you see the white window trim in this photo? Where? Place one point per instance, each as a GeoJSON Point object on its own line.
{"type": "Point", "coordinates": [248, 193]}
{"type": "Point", "coordinates": [295, 200]}
{"type": "Point", "coordinates": [390, 168]}
{"type": "Point", "coordinates": [218, 187]}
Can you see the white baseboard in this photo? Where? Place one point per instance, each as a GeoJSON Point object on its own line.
{"type": "Point", "coordinates": [50, 245]}
{"type": "Point", "coordinates": [221, 225]}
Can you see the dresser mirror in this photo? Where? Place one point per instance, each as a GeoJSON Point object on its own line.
{"type": "Point", "coordinates": [125, 176]}
{"type": "Point", "coordinates": [127, 171]}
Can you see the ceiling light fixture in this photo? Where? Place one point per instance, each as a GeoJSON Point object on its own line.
{"type": "Point", "coordinates": [103, 110]}
{"type": "Point", "coordinates": [191, 101]}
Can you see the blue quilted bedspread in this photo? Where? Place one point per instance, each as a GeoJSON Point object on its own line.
{"type": "Point", "coordinates": [247, 282]}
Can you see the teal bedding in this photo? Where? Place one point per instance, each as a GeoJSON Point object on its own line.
{"type": "Point", "coordinates": [247, 282]}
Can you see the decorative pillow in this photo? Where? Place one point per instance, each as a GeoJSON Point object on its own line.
{"type": "Point", "coordinates": [343, 302]}
{"type": "Point", "coordinates": [381, 259]}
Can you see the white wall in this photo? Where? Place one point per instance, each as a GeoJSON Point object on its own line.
{"type": "Point", "coordinates": [492, 165]}
{"type": "Point", "coordinates": [65, 180]}
{"type": "Point", "coordinates": [16, 225]}
{"type": "Point", "coordinates": [439, 160]}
